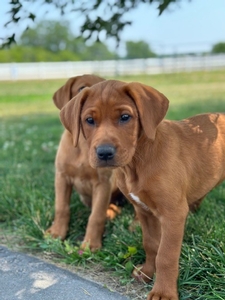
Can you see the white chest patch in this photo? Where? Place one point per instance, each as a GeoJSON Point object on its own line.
{"type": "Point", "coordinates": [138, 201]}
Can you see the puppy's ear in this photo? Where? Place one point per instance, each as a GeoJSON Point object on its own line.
{"type": "Point", "coordinates": [151, 105]}
{"type": "Point", "coordinates": [63, 95]}
{"type": "Point", "coordinates": [70, 115]}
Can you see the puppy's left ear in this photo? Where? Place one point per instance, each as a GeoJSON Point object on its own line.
{"type": "Point", "coordinates": [70, 115]}
{"type": "Point", "coordinates": [151, 105]}
{"type": "Point", "coordinates": [64, 94]}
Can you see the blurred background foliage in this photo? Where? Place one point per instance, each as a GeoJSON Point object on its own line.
{"type": "Point", "coordinates": [54, 41]}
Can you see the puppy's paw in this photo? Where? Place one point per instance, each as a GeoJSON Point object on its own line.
{"type": "Point", "coordinates": [141, 274]}
{"type": "Point", "coordinates": [91, 245]}
{"type": "Point", "coordinates": [56, 232]}
{"type": "Point", "coordinates": [112, 211]}
{"type": "Point", "coordinates": [165, 294]}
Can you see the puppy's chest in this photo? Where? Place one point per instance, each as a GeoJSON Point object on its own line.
{"type": "Point", "coordinates": [81, 175]}
{"type": "Point", "coordinates": [136, 193]}
{"type": "Point", "coordinates": [136, 200]}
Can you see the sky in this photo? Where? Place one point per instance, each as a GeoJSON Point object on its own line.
{"type": "Point", "coordinates": [195, 24]}
{"type": "Point", "coordinates": [189, 26]}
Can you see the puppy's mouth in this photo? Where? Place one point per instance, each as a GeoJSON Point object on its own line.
{"type": "Point", "coordinates": [105, 164]}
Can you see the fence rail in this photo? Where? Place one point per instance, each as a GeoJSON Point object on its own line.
{"type": "Point", "coordinates": [54, 70]}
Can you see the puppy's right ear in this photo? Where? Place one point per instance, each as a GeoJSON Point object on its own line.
{"type": "Point", "coordinates": [70, 114]}
{"type": "Point", "coordinates": [151, 105]}
{"type": "Point", "coordinates": [63, 95]}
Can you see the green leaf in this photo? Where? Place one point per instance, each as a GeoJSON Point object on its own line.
{"type": "Point", "coordinates": [129, 266]}
{"type": "Point", "coordinates": [132, 250]}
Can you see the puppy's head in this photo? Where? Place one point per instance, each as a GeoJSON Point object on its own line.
{"type": "Point", "coordinates": [112, 115]}
{"type": "Point", "coordinates": [72, 87]}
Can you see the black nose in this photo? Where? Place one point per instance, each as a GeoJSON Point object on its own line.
{"type": "Point", "coordinates": [105, 152]}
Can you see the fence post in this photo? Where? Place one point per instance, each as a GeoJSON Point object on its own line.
{"type": "Point", "coordinates": [13, 71]}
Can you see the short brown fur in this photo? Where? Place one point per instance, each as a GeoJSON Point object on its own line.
{"type": "Point", "coordinates": [163, 167]}
{"type": "Point", "coordinates": [95, 187]}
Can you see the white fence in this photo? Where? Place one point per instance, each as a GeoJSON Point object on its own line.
{"type": "Point", "coordinates": [53, 70]}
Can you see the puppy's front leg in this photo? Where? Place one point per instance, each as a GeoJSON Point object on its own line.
{"type": "Point", "coordinates": [151, 233]}
{"type": "Point", "coordinates": [167, 259]}
{"type": "Point", "coordinates": [63, 191]}
{"type": "Point", "coordinates": [96, 222]}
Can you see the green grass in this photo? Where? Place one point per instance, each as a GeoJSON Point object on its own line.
{"type": "Point", "coordinates": [29, 134]}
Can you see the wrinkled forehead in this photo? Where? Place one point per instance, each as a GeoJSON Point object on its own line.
{"type": "Point", "coordinates": [110, 94]}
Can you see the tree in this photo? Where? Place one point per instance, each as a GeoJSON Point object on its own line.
{"type": "Point", "coordinates": [53, 41]}
{"type": "Point", "coordinates": [54, 36]}
{"type": "Point", "coordinates": [19, 53]}
{"type": "Point", "coordinates": [138, 50]}
{"type": "Point", "coordinates": [111, 24]}
{"type": "Point", "coordinates": [219, 48]}
{"type": "Point", "coordinates": [98, 51]}
{"type": "Point", "coordinates": [50, 35]}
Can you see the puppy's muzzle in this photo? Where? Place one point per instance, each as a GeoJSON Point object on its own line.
{"type": "Point", "coordinates": [105, 152]}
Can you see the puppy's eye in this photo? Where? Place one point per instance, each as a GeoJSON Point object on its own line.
{"type": "Point", "coordinates": [124, 118]}
{"type": "Point", "coordinates": [81, 88]}
{"type": "Point", "coordinates": [90, 121]}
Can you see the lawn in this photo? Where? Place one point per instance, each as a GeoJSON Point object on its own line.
{"type": "Point", "coordinates": [29, 134]}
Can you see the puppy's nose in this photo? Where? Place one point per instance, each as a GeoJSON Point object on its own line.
{"type": "Point", "coordinates": [105, 152]}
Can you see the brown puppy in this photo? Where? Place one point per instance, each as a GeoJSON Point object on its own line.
{"type": "Point", "coordinates": [95, 187]}
{"type": "Point", "coordinates": [162, 166]}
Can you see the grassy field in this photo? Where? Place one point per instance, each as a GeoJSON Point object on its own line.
{"type": "Point", "coordinates": [29, 134]}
